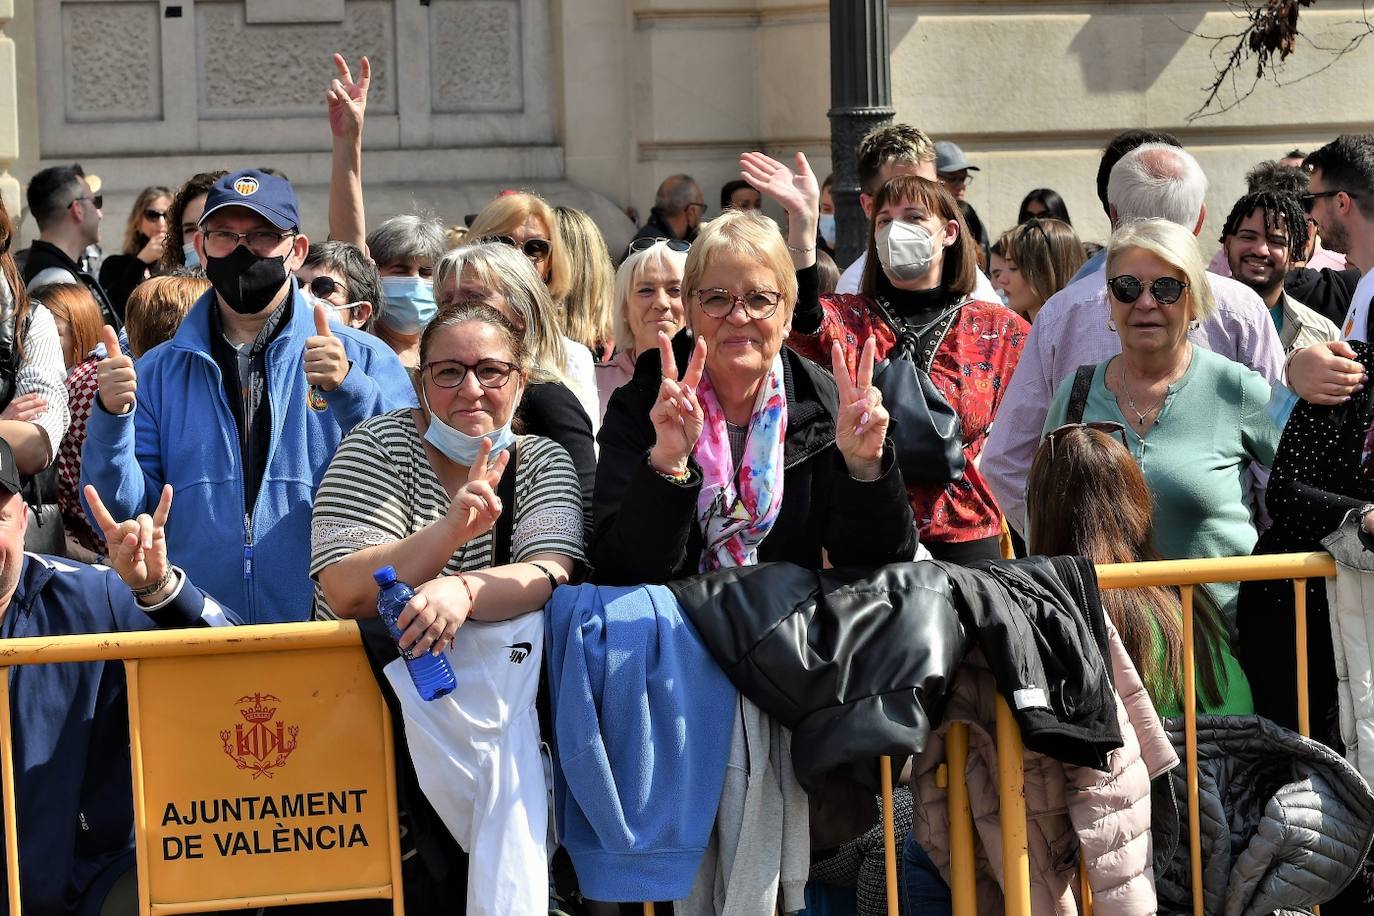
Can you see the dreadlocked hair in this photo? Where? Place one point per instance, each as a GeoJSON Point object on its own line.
{"type": "Point", "coordinates": [1282, 210]}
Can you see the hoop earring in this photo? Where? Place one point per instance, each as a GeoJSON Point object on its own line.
{"type": "Point", "coordinates": [1111, 325]}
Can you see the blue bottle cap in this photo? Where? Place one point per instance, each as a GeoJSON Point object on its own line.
{"type": "Point", "coordinates": [385, 576]}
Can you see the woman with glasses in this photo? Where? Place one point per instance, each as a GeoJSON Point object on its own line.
{"type": "Point", "coordinates": [482, 521]}
{"type": "Point", "coordinates": [647, 299]}
{"type": "Point", "coordinates": [918, 287]}
{"type": "Point", "coordinates": [526, 223]}
{"type": "Point", "coordinates": [145, 235]}
{"type": "Point", "coordinates": [1039, 258]}
{"type": "Point", "coordinates": [751, 453]}
{"type": "Point", "coordinates": [1195, 421]}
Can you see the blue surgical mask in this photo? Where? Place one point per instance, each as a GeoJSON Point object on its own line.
{"type": "Point", "coordinates": [408, 304]}
{"type": "Point", "coordinates": [459, 446]}
{"type": "Point", "coordinates": [827, 228]}
{"type": "Point", "coordinates": [188, 252]}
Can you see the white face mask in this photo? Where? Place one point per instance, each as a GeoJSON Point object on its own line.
{"type": "Point", "coordinates": [905, 249]}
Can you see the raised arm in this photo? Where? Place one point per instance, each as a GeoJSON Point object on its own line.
{"type": "Point", "coordinates": [797, 192]}
{"type": "Point", "coordinates": [347, 107]}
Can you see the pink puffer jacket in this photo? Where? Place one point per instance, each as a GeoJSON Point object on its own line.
{"type": "Point", "coordinates": [1068, 808]}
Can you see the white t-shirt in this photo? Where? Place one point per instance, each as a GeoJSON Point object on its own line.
{"type": "Point", "coordinates": [1356, 323]}
{"type": "Point", "coordinates": [850, 279]}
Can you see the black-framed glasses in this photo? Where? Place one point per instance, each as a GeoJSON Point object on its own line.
{"type": "Point", "coordinates": [323, 286]}
{"type": "Point", "coordinates": [220, 243]}
{"type": "Point", "coordinates": [1309, 198]}
{"type": "Point", "coordinates": [491, 373]}
{"type": "Point", "coordinates": [758, 304]}
{"type": "Point", "coordinates": [1164, 290]}
{"type": "Point", "coordinates": [1110, 427]}
{"type": "Point", "coordinates": [97, 199]}
{"type": "Point", "coordinates": [534, 249]}
{"type": "Point", "coordinates": [644, 244]}
{"type": "Point", "coordinates": [154, 216]}
{"type": "Point", "coordinates": [697, 203]}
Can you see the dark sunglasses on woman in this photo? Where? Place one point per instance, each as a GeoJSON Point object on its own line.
{"type": "Point", "coordinates": [538, 249]}
{"type": "Point", "coordinates": [322, 287]}
{"type": "Point", "coordinates": [1164, 290]}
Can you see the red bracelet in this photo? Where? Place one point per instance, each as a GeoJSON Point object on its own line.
{"type": "Point", "coordinates": [472, 602]}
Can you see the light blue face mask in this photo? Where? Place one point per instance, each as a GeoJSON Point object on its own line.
{"type": "Point", "coordinates": [459, 446]}
{"type": "Point", "coordinates": [827, 228]}
{"type": "Point", "coordinates": [188, 252]}
{"type": "Point", "coordinates": [408, 304]}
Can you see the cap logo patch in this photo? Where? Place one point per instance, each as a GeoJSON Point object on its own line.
{"type": "Point", "coordinates": [246, 186]}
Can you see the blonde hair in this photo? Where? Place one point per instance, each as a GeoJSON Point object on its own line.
{"type": "Point", "coordinates": [657, 255]}
{"type": "Point", "coordinates": [751, 234]}
{"type": "Point", "coordinates": [455, 235]}
{"type": "Point", "coordinates": [505, 213]}
{"type": "Point", "coordinates": [586, 313]}
{"type": "Point", "coordinates": [507, 272]}
{"type": "Point", "coordinates": [1173, 245]}
{"type": "Point", "coordinates": [1047, 252]}
{"type": "Point", "coordinates": [132, 233]}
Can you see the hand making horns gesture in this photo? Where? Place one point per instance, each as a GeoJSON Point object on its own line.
{"type": "Point", "coordinates": [861, 430]}
{"type": "Point", "coordinates": [676, 415]}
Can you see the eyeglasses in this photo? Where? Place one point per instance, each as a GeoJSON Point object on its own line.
{"type": "Point", "coordinates": [957, 181]}
{"type": "Point", "coordinates": [1164, 290]}
{"type": "Point", "coordinates": [534, 249]}
{"type": "Point", "coordinates": [644, 244]}
{"type": "Point", "coordinates": [1110, 427]}
{"type": "Point", "coordinates": [154, 216]}
{"type": "Point", "coordinates": [697, 203]}
{"type": "Point", "coordinates": [1309, 199]}
{"type": "Point", "coordinates": [221, 243]}
{"type": "Point", "coordinates": [322, 287]}
{"type": "Point", "coordinates": [720, 303]}
{"type": "Point", "coordinates": [491, 373]}
{"type": "Point", "coordinates": [97, 199]}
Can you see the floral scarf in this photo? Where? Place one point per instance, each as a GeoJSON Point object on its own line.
{"type": "Point", "coordinates": [737, 512]}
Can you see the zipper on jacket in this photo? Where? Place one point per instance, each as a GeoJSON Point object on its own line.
{"type": "Point", "coordinates": [247, 547]}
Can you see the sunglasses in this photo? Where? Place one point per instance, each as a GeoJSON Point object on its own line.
{"type": "Point", "coordinates": [1164, 290]}
{"type": "Point", "coordinates": [322, 287]}
{"type": "Point", "coordinates": [644, 244]}
{"type": "Point", "coordinates": [154, 216]}
{"type": "Point", "coordinates": [1110, 427]}
{"type": "Point", "coordinates": [535, 249]}
{"type": "Point", "coordinates": [1309, 199]}
{"type": "Point", "coordinates": [97, 199]}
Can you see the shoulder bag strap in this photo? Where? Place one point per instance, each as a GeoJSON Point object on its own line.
{"type": "Point", "coordinates": [505, 523]}
{"type": "Point", "coordinates": [1078, 394]}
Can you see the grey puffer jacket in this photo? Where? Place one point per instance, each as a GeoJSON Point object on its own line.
{"type": "Point", "coordinates": [1285, 820]}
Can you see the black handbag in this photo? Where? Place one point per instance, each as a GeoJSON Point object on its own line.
{"type": "Point", "coordinates": [924, 429]}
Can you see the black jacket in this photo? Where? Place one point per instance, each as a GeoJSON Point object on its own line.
{"type": "Point", "coordinates": [645, 526]}
{"type": "Point", "coordinates": [551, 410]}
{"type": "Point", "coordinates": [1315, 481]}
{"type": "Point", "coordinates": [1327, 292]}
{"type": "Point", "coordinates": [858, 665]}
{"type": "Point", "coordinates": [43, 255]}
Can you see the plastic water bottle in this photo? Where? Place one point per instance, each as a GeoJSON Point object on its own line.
{"type": "Point", "coordinates": [432, 674]}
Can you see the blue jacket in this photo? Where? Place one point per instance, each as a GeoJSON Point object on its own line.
{"type": "Point", "coordinates": [643, 718]}
{"type": "Point", "coordinates": [182, 432]}
{"type": "Point", "coordinates": [71, 734]}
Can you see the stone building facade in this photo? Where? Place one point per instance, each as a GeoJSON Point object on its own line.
{"type": "Point", "coordinates": [593, 102]}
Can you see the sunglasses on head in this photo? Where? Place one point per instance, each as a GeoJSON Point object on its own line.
{"type": "Point", "coordinates": [1110, 427]}
{"type": "Point", "coordinates": [533, 248]}
{"type": "Point", "coordinates": [1164, 290]}
{"type": "Point", "coordinates": [644, 244]}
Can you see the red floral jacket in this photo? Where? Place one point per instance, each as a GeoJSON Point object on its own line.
{"type": "Point", "coordinates": [972, 369]}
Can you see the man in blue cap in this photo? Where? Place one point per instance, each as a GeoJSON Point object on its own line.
{"type": "Point", "coordinates": [242, 410]}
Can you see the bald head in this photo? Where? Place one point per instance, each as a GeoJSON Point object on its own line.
{"type": "Point", "coordinates": [676, 193]}
{"type": "Point", "coordinates": [1158, 181]}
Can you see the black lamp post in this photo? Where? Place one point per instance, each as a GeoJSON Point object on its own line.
{"type": "Point", "coordinates": [860, 100]}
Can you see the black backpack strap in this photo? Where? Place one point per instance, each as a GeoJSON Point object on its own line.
{"type": "Point", "coordinates": [1078, 394]}
{"type": "Point", "coordinates": [505, 523]}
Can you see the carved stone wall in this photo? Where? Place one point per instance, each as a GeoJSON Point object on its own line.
{"type": "Point", "coordinates": [112, 58]}
{"type": "Point", "coordinates": [475, 56]}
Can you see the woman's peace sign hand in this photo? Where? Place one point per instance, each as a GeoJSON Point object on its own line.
{"type": "Point", "coordinates": [861, 429]}
{"type": "Point", "coordinates": [476, 507]}
{"type": "Point", "coordinates": [676, 415]}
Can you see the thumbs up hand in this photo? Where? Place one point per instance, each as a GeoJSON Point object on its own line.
{"type": "Point", "coordinates": [326, 363]}
{"type": "Point", "coordinates": [118, 383]}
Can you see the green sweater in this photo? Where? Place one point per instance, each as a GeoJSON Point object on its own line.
{"type": "Point", "coordinates": [1212, 426]}
{"type": "Point", "coordinates": [1236, 699]}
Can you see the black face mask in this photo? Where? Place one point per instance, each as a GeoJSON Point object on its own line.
{"type": "Point", "coordinates": [245, 281]}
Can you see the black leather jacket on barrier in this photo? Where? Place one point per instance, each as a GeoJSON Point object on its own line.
{"type": "Point", "coordinates": [1285, 821]}
{"type": "Point", "coordinates": [858, 664]}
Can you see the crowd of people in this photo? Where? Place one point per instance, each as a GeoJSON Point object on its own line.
{"type": "Point", "coordinates": [502, 407]}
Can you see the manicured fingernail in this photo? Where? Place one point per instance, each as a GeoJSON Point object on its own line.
{"type": "Point", "coordinates": [863, 421]}
{"type": "Point", "coordinates": [687, 404]}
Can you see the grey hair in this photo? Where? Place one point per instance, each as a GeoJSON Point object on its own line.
{"type": "Point", "coordinates": [676, 192]}
{"type": "Point", "coordinates": [408, 237]}
{"type": "Point", "coordinates": [360, 275]}
{"type": "Point", "coordinates": [656, 255]}
{"type": "Point", "coordinates": [1158, 181]}
{"type": "Point", "coordinates": [506, 272]}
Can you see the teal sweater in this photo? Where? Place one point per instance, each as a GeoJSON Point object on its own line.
{"type": "Point", "coordinates": [1212, 426]}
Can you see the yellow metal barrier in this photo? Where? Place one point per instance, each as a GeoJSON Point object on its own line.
{"type": "Point", "coordinates": [287, 726]}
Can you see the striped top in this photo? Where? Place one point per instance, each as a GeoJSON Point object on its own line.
{"type": "Point", "coordinates": [380, 488]}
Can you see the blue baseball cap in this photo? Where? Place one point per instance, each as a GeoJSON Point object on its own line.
{"type": "Point", "coordinates": [269, 196]}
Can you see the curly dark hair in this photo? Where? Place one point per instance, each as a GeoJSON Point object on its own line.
{"type": "Point", "coordinates": [1282, 210]}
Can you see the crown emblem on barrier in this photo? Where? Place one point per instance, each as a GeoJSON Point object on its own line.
{"type": "Point", "coordinates": [261, 742]}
